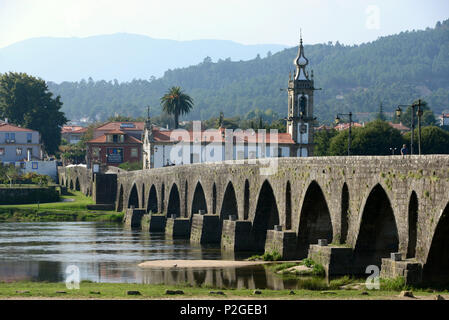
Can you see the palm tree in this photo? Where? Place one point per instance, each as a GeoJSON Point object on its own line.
{"type": "Point", "coordinates": [176, 102]}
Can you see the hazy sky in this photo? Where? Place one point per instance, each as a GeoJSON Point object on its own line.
{"type": "Point", "coordinates": [244, 21]}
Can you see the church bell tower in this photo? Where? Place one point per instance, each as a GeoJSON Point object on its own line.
{"type": "Point", "coordinates": [300, 105]}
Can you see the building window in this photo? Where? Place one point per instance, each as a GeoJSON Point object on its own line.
{"type": "Point", "coordinates": [2, 151]}
{"type": "Point", "coordinates": [29, 137]}
{"type": "Point", "coordinates": [279, 152]}
{"type": "Point", "coordinates": [133, 152]}
{"type": "Point", "coordinates": [19, 151]}
{"type": "Point", "coordinates": [96, 152]}
{"type": "Point", "coordinates": [10, 137]}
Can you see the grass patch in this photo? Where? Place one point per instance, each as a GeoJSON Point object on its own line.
{"type": "Point", "coordinates": [267, 256]}
{"type": "Point", "coordinates": [311, 289]}
{"type": "Point", "coordinates": [394, 284]}
{"type": "Point", "coordinates": [317, 269]}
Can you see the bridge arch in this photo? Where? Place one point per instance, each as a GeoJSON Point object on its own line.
{"type": "Point", "coordinates": [214, 198]}
{"type": "Point", "coordinates": [199, 199]}
{"type": "Point", "coordinates": [120, 199]}
{"type": "Point", "coordinates": [229, 204]}
{"type": "Point", "coordinates": [152, 204]}
{"type": "Point", "coordinates": [344, 217]}
{"type": "Point", "coordinates": [186, 201]}
{"type": "Point", "coordinates": [378, 233]}
{"type": "Point", "coordinates": [142, 196]}
{"type": "Point", "coordinates": [266, 215]}
{"type": "Point", "coordinates": [436, 266]}
{"type": "Point", "coordinates": [77, 184]}
{"type": "Point", "coordinates": [314, 219]}
{"type": "Point", "coordinates": [246, 197]}
{"type": "Point", "coordinates": [133, 199]}
{"type": "Point", "coordinates": [288, 206]}
{"type": "Point", "coordinates": [412, 225]}
{"type": "Point", "coordinates": [174, 202]}
{"type": "Point", "coordinates": [71, 184]}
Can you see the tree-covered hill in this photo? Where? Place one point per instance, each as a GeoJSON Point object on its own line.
{"type": "Point", "coordinates": [392, 70]}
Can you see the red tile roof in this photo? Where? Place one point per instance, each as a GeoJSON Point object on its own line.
{"type": "Point", "coordinates": [115, 131]}
{"type": "Point", "coordinates": [216, 135]}
{"type": "Point", "coordinates": [77, 129]}
{"type": "Point", "coordinates": [6, 127]}
{"type": "Point", "coordinates": [138, 126]}
{"type": "Point", "coordinates": [344, 126]}
{"type": "Point", "coordinates": [128, 139]}
{"type": "Point", "coordinates": [399, 126]}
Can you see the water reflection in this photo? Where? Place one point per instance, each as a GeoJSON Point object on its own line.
{"type": "Point", "coordinates": [107, 252]}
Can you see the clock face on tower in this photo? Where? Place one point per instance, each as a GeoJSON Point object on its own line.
{"type": "Point", "coordinates": [303, 136]}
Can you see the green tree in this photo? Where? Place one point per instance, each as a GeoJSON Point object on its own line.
{"type": "Point", "coordinates": [427, 118]}
{"type": "Point", "coordinates": [73, 153]}
{"type": "Point", "coordinates": [176, 102]}
{"type": "Point", "coordinates": [322, 140]}
{"type": "Point", "coordinates": [26, 101]}
{"type": "Point", "coordinates": [434, 140]}
{"type": "Point", "coordinates": [376, 138]}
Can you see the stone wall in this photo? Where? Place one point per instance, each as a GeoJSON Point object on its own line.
{"type": "Point", "coordinates": [24, 195]}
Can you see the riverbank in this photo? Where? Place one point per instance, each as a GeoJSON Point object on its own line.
{"type": "Point", "coordinates": [72, 207]}
{"type": "Point", "coordinates": [91, 290]}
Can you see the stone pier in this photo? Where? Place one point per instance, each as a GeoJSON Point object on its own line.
{"type": "Point", "coordinates": [205, 228]}
{"type": "Point", "coordinates": [336, 261]}
{"type": "Point", "coordinates": [236, 235]}
{"type": "Point", "coordinates": [410, 270]}
{"type": "Point", "coordinates": [133, 217]}
{"type": "Point", "coordinates": [178, 227]}
{"type": "Point", "coordinates": [283, 242]}
{"type": "Point", "coordinates": [153, 223]}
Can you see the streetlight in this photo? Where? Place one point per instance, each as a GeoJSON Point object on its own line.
{"type": "Point", "coordinates": [393, 150]}
{"type": "Point", "coordinates": [337, 121]}
{"type": "Point", "coordinates": [419, 113]}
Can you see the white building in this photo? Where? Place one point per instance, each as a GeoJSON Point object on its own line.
{"type": "Point", "coordinates": [19, 144]}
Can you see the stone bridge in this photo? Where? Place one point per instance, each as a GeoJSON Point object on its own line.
{"type": "Point", "coordinates": [365, 207]}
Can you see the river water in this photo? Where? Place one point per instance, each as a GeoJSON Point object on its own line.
{"type": "Point", "coordinates": [106, 252]}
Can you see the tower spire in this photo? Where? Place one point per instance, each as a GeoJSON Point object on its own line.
{"type": "Point", "coordinates": [301, 61]}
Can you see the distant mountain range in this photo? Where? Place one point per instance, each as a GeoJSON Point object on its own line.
{"type": "Point", "coordinates": [118, 56]}
{"type": "Point", "coordinates": [392, 70]}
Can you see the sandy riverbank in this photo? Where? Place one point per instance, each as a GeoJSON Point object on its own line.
{"type": "Point", "coordinates": [198, 263]}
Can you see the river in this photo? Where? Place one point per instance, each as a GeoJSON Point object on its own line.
{"type": "Point", "coordinates": [107, 252]}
